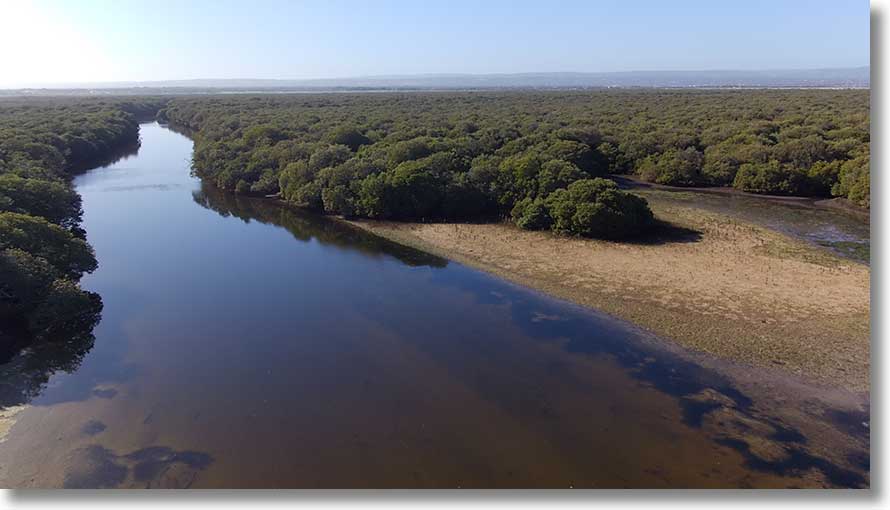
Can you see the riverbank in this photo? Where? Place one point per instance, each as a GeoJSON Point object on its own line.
{"type": "Point", "coordinates": [729, 288]}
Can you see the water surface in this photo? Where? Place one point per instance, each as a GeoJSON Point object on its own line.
{"type": "Point", "coordinates": [244, 344]}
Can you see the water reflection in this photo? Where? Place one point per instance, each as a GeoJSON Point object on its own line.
{"type": "Point", "coordinates": [25, 374]}
{"type": "Point", "coordinates": [25, 364]}
{"type": "Point", "coordinates": [306, 226]}
{"type": "Point", "coordinates": [116, 155]}
{"type": "Point", "coordinates": [702, 393]}
{"type": "Point", "coordinates": [766, 442]}
{"type": "Point", "coordinates": [156, 467]}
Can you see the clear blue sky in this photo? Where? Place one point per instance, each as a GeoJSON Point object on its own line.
{"type": "Point", "coordinates": [83, 40]}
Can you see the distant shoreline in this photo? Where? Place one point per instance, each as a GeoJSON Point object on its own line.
{"type": "Point", "coordinates": [102, 92]}
{"type": "Point", "coordinates": [835, 78]}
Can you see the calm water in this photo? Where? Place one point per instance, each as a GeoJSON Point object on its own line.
{"type": "Point", "coordinates": [243, 344]}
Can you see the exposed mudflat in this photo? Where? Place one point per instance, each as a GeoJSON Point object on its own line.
{"type": "Point", "coordinates": [726, 287]}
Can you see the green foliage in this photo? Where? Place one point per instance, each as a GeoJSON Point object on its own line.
{"type": "Point", "coordinates": [66, 307]}
{"type": "Point", "coordinates": [722, 160]}
{"type": "Point", "coordinates": [69, 255]}
{"type": "Point", "coordinates": [674, 167]}
{"type": "Point", "coordinates": [822, 175]}
{"type": "Point", "coordinates": [499, 148]}
{"type": "Point", "coordinates": [263, 135]}
{"type": "Point", "coordinates": [42, 250]}
{"type": "Point", "coordinates": [52, 200]}
{"type": "Point", "coordinates": [413, 190]}
{"type": "Point", "coordinates": [338, 200]}
{"type": "Point", "coordinates": [771, 178]}
{"type": "Point", "coordinates": [532, 214]}
{"type": "Point", "coordinates": [597, 208]}
{"type": "Point", "coordinates": [348, 136]}
{"type": "Point", "coordinates": [31, 288]}
{"type": "Point", "coordinates": [853, 181]}
{"type": "Point", "coordinates": [372, 199]}
{"type": "Point", "coordinates": [329, 156]}
{"type": "Point", "coordinates": [615, 161]}
{"type": "Point", "coordinates": [576, 153]}
{"type": "Point", "coordinates": [24, 282]}
{"type": "Point", "coordinates": [557, 174]}
{"type": "Point", "coordinates": [587, 208]}
{"type": "Point", "coordinates": [410, 150]}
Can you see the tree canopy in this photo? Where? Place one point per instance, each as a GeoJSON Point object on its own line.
{"type": "Point", "coordinates": [43, 252]}
{"type": "Point", "coordinates": [457, 156]}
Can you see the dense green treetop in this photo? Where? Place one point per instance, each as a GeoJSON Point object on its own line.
{"type": "Point", "coordinates": [431, 156]}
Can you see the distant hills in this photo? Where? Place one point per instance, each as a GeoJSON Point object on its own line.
{"type": "Point", "coordinates": [852, 77]}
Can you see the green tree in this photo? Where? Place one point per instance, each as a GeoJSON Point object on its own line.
{"type": "Point", "coordinates": [69, 255]}
{"type": "Point", "coordinates": [771, 178]}
{"type": "Point", "coordinates": [348, 136]}
{"type": "Point", "coordinates": [65, 308]}
{"type": "Point", "coordinates": [597, 208]}
{"type": "Point", "coordinates": [532, 214]}
{"type": "Point", "coordinates": [674, 167]}
{"type": "Point", "coordinates": [338, 200]}
{"type": "Point", "coordinates": [51, 200]}
{"type": "Point", "coordinates": [24, 281]}
{"type": "Point", "coordinates": [854, 181]}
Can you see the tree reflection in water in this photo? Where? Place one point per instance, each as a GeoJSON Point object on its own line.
{"type": "Point", "coordinates": [24, 375]}
{"type": "Point", "coordinates": [306, 226]}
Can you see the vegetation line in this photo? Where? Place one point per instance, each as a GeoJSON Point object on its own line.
{"type": "Point", "coordinates": [43, 249]}
{"type": "Point", "coordinates": [492, 155]}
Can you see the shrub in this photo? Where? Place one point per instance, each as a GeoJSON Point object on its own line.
{"type": "Point", "coordinates": [24, 280]}
{"type": "Point", "coordinates": [576, 153]}
{"type": "Point", "coordinates": [532, 214]}
{"type": "Point", "coordinates": [64, 309]}
{"type": "Point", "coordinates": [53, 201]}
{"type": "Point", "coordinates": [853, 181]}
{"type": "Point", "coordinates": [331, 155]}
{"type": "Point", "coordinates": [674, 167]}
{"type": "Point", "coordinates": [69, 255]}
{"type": "Point", "coordinates": [597, 208]}
{"type": "Point", "coordinates": [557, 174]}
{"type": "Point", "coordinates": [338, 200]}
{"type": "Point", "coordinates": [348, 136]}
{"type": "Point", "coordinates": [771, 178]}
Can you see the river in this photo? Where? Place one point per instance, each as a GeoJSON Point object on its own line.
{"type": "Point", "coordinates": [245, 344]}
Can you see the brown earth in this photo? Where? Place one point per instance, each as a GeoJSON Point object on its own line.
{"type": "Point", "coordinates": [724, 287]}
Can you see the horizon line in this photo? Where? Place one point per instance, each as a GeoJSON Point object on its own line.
{"type": "Point", "coordinates": [81, 84]}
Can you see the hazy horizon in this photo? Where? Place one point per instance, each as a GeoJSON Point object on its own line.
{"type": "Point", "coordinates": [421, 75]}
{"type": "Point", "coordinates": [278, 40]}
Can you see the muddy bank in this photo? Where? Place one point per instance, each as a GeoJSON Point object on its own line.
{"type": "Point", "coordinates": [834, 225]}
{"type": "Point", "coordinates": [730, 289]}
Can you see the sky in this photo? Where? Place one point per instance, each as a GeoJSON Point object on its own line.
{"type": "Point", "coordinates": [81, 41]}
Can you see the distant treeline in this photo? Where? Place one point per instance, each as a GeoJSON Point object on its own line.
{"type": "Point", "coordinates": [521, 155]}
{"type": "Point", "coordinates": [43, 250]}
